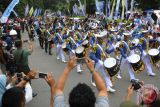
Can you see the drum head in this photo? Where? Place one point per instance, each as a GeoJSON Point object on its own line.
{"type": "Point", "coordinates": [134, 58]}
{"type": "Point", "coordinates": [110, 62]}
{"type": "Point", "coordinates": [80, 50]}
{"type": "Point", "coordinates": [64, 45]}
{"type": "Point", "coordinates": [135, 41]}
{"type": "Point", "coordinates": [153, 52]}
{"type": "Point", "coordinates": [85, 42]}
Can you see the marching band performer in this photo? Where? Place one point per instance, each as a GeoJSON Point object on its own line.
{"type": "Point", "coordinates": [143, 47]}
{"type": "Point", "coordinates": [58, 40]}
{"type": "Point", "coordinates": [96, 55]}
{"type": "Point", "coordinates": [41, 33]}
{"type": "Point", "coordinates": [124, 53]}
{"type": "Point", "coordinates": [48, 40]}
{"type": "Point", "coordinates": [75, 41]}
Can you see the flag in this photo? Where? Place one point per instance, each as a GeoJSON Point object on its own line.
{"type": "Point", "coordinates": [35, 12]}
{"type": "Point", "coordinates": [15, 13]}
{"type": "Point", "coordinates": [111, 15]}
{"type": "Point", "coordinates": [8, 11]}
{"type": "Point", "coordinates": [117, 9]}
{"type": "Point", "coordinates": [31, 11]}
{"type": "Point", "coordinates": [123, 9]}
{"type": "Point", "coordinates": [26, 10]}
{"type": "Point", "coordinates": [132, 5]}
{"type": "Point", "coordinates": [126, 4]}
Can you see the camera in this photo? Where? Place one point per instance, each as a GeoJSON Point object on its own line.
{"type": "Point", "coordinates": [19, 75]}
{"type": "Point", "coordinates": [136, 84]}
{"type": "Point", "coordinates": [42, 75]}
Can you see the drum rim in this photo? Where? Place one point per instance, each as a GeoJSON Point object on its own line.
{"type": "Point", "coordinates": [64, 44]}
{"type": "Point", "coordinates": [150, 52]}
{"type": "Point", "coordinates": [105, 64]}
{"type": "Point", "coordinates": [79, 52]}
{"type": "Point", "coordinates": [133, 61]}
{"type": "Point", "coordinates": [85, 42]}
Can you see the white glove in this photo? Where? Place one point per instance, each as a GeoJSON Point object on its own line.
{"type": "Point", "coordinates": [100, 62]}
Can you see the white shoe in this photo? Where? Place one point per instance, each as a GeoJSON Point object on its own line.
{"type": "Point", "coordinates": [109, 89]}
{"type": "Point", "coordinates": [79, 71]}
{"type": "Point", "coordinates": [58, 58]}
{"type": "Point", "coordinates": [119, 76]}
{"type": "Point", "coordinates": [152, 74]}
{"type": "Point", "coordinates": [136, 79]}
{"type": "Point", "coordinates": [93, 83]}
{"type": "Point", "coordinates": [64, 61]}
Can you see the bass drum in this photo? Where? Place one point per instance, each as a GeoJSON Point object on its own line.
{"type": "Point", "coordinates": [154, 55]}
{"type": "Point", "coordinates": [136, 63]}
{"type": "Point", "coordinates": [111, 66]}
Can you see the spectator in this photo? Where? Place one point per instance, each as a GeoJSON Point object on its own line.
{"type": "Point", "coordinates": [127, 102]}
{"type": "Point", "coordinates": [2, 59]}
{"type": "Point", "coordinates": [149, 95]}
{"type": "Point", "coordinates": [15, 97]}
{"type": "Point", "coordinates": [22, 84]}
{"type": "Point", "coordinates": [81, 95]}
{"type": "Point", "coordinates": [21, 56]}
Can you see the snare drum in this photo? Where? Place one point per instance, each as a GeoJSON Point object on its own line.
{"type": "Point", "coordinates": [80, 52]}
{"type": "Point", "coordinates": [85, 44]}
{"type": "Point", "coordinates": [111, 66]}
{"type": "Point", "coordinates": [154, 55]}
{"type": "Point", "coordinates": [64, 47]}
{"type": "Point", "coordinates": [136, 63]}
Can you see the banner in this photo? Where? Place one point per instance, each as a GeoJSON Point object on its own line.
{"type": "Point", "coordinates": [35, 12]}
{"type": "Point", "coordinates": [111, 15]}
{"type": "Point", "coordinates": [15, 13]}
{"type": "Point", "coordinates": [132, 5]}
{"type": "Point", "coordinates": [26, 10]}
{"type": "Point", "coordinates": [39, 12]}
{"type": "Point", "coordinates": [31, 11]}
{"type": "Point", "coordinates": [126, 4]}
{"type": "Point", "coordinates": [123, 9]}
{"type": "Point", "coordinates": [99, 6]}
{"type": "Point", "coordinates": [117, 10]}
{"type": "Point", "coordinates": [8, 11]}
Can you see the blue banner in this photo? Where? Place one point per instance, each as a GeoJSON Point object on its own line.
{"type": "Point", "coordinates": [35, 12]}
{"type": "Point", "coordinates": [8, 11]}
{"type": "Point", "coordinates": [117, 9]}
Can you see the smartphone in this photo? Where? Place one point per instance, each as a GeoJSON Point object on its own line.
{"type": "Point", "coordinates": [19, 75]}
{"type": "Point", "coordinates": [42, 75]}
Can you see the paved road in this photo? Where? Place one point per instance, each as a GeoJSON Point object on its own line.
{"type": "Point", "coordinates": [45, 63]}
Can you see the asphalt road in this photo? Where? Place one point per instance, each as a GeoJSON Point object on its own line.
{"type": "Point", "coordinates": [45, 63]}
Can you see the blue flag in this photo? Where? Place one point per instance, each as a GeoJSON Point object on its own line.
{"type": "Point", "coordinates": [8, 11]}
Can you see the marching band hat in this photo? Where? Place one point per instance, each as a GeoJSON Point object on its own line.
{"type": "Point", "coordinates": [144, 31]}
{"type": "Point", "coordinates": [113, 30]}
{"type": "Point", "coordinates": [99, 35]}
{"type": "Point", "coordinates": [58, 27]}
{"type": "Point", "coordinates": [126, 34]}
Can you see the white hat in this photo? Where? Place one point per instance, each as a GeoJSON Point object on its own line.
{"type": "Point", "coordinates": [99, 35]}
{"type": "Point", "coordinates": [126, 33]}
{"type": "Point", "coordinates": [104, 33]}
{"type": "Point", "coordinates": [12, 32]}
{"type": "Point", "coordinates": [144, 31]}
{"type": "Point", "coordinates": [113, 30]}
